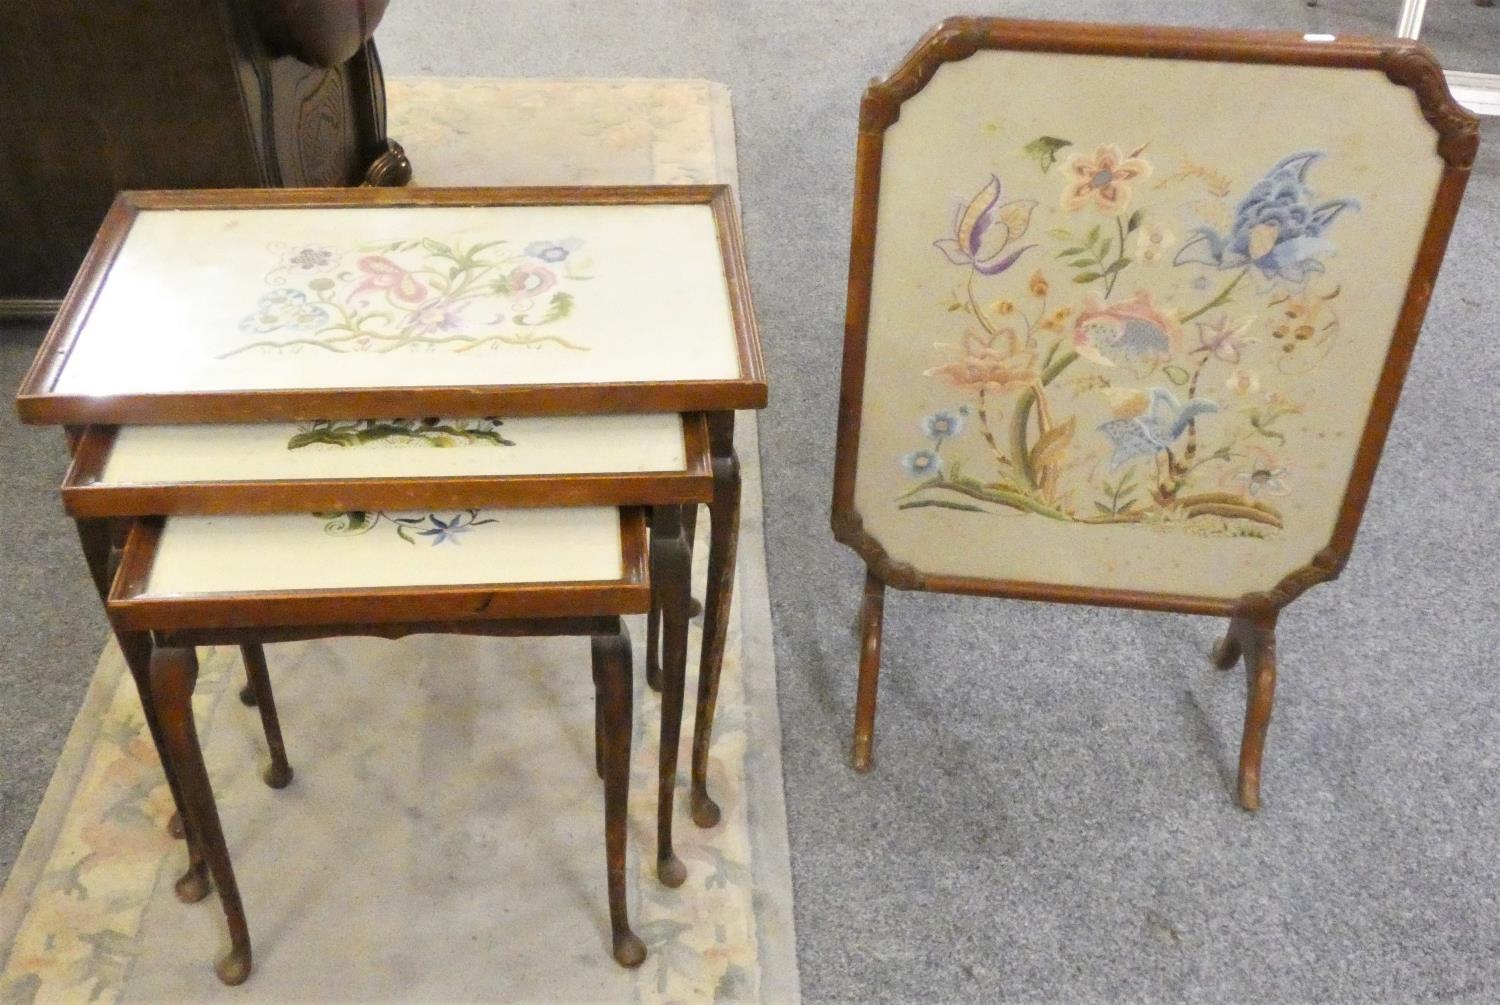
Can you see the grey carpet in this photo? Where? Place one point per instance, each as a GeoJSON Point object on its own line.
{"type": "Point", "coordinates": [51, 628]}
{"type": "Point", "coordinates": [1050, 817]}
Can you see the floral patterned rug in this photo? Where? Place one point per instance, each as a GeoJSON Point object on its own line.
{"type": "Point", "coordinates": [442, 839]}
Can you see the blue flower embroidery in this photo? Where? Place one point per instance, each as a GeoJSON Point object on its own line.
{"type": "Point", "coordinates": [940, 426]}
{"type": "Point", "coordinates": [1277, 228]}
{"type": "Point", "coordinates": [1156, 430]}
{"type": "Point", "coordinates": [554, 251]}
{"type": "Point", "coordinates": [284, 308]}
{"type": "Point", "coordinates": [445, 530]}
{"type": "Point", "coordinates": [921, 463]}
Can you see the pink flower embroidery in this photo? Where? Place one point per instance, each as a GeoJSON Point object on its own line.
{"type": "Point", "coordinates": [526, 281]}
{"type": "Point", "coordinates": [1103, 179]}
{"type": "Point", "coordinates": [383, 274]}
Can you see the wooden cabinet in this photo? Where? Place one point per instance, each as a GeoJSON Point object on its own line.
{"type": "Point", "coordinates": [104, 96]}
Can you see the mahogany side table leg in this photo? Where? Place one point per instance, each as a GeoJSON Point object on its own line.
{"type": "Point", "coordinates": [94, 536]}
{"type": "Point", "coordinates": [653, 619]}
{"type": "Point", "coordinates": [598, 722]}
{"type": "Point", "coordinates": [671, 567]}
{"type": "Point", "coordinates": [611, 657]}
{"type": "Point", "coordinates": [278, 773]}
{"type": "Point", "coordinates": [174, 671]}
{"type": "Point", "coordinates": [724, 529]}
{"type": "Point", "coordinates": [653, 640]}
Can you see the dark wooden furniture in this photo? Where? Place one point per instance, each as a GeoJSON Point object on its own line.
{"type": "Point", "coordinates": [743, 386]}
{"type": "Point", "coordinates": [174, 94]}
{"type": "Point", "coordinates": [1438, 171]}
{"type": "Point", "coordinates": [178, 420]}
{"type": "Point", "coordinates": [169, 625]}
{"type": "Point", "coordinates": [104, 509]}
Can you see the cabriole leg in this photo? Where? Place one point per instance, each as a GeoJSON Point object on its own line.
{"type": "Point", "coordinates": [611, 656]}
{"type": "Point", "coordinates": [724, 529]}
{"type": "Point", "coordinates": [653, 640]}
{"type": "Point", "coordinates": [278, 773]}
{"type": "Point", "coordinates": [174, 671]}
{"type": "Point", "coordinates": [670, 570]}
{"type": "Point", "coordinates": [95, 537]}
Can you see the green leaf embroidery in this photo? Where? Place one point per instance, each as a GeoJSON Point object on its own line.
{"type": "Point", "coordinates": [1044, 150]}
{"type": "Point", "coordinates": [1087, 277]}
{"type": "Point", "coordinates": [559, 307]}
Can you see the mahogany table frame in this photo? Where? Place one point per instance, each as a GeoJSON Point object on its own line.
{"type": "Point", "coordinates": [168, 627]}
{"type": "Point", "coordinates": [1251, 633]}
{"type": "Point", "coordinates": [37, 402]}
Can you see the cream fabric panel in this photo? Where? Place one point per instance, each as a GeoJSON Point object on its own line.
{"type": "Point", "coordinates": [1252, 328]}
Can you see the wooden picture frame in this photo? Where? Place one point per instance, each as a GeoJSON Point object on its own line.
{"type": "Point", "coordinates": [41, 401]}
{"type": "Point", "coordinates": [86, 494]}
{"type": "Point", "coordinates": [1071, 49]}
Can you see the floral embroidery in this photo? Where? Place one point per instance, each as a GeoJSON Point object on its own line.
{"type": "Point", "coordinates": [284, 309]}
{"type": "Point", "coordinates": [984, 231]}
{"type": "Point", "coordinates": [311, 258]}
{"type": "Point", "coordinates": [1264, 474]}
{"type": "Point", "coordinates": [1277, 229]}
{"type": "Point", "coordinates": [527, 281]}
{"type": "Point", "coordinates": [1103, 179]}
{"type": "Point", "coordinates": [554, 251]}
{"type": "Point", "coordinates": [432, 432]}
{"type": "Point", "coordinates": [941, 425]}
{"type": "Point", "coordinates": [417, 295]}
{"type": "Point", "coordinates": [1223, 338]}
{"type": "Point", "coordinates": [1109, 408]}
{"type": "Point", "coordinates": [437, 528]}
{"type": "Point", "coordinates": [923, 462]}
{"type": "Point", "coordinates": [1133, 333]}
{"type": "Point", "coordinates": [992, 361]}
{"type": "Point", "coordinates": [1153, 241]}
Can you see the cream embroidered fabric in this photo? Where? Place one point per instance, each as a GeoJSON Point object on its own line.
{"type": "Point", "coordinates": [440, 448]}
{"type": "Point", "coordinates": [420, 296]}
{"type": "Point", "coordinates": [243, 554]}
{"type": "Point", "coordinates": [1128, 315]}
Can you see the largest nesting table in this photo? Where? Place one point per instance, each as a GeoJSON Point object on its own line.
{"type": "Point", "coordinates": [211, 337]}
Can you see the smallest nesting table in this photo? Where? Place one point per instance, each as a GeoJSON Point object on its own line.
{"type": "Point", "coordinates": [192, 581]}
